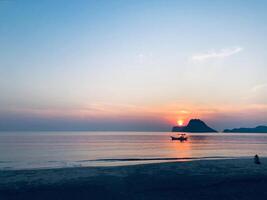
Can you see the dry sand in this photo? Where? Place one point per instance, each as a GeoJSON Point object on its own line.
{"type": "Point", "coordinates": [206, 179]}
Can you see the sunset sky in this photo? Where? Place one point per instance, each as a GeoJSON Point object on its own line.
{"type": "Point", "coordinates": [132, 65]}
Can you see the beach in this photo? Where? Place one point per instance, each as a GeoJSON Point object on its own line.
{"type": "Point", "coordinates": [202, 179]}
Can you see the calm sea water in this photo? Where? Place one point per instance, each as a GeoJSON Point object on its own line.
{"type": "Point", "coordinates": [28, 150]}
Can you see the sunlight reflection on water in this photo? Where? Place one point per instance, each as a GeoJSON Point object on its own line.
{"type": "Point", "coordinates": [73, 149]}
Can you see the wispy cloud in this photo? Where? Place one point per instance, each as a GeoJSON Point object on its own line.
{"type": "Point", "coordinates": [258, 94]}
{"type": "Point", "coordinates": [222, 53]}
{"type": "Point", "coordinates": [260, 87]}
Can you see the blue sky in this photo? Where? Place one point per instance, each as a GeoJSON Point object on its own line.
{"type": "Point", "coordinates": [139, 64]}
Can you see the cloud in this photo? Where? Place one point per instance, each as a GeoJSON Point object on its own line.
{"type": "Point", "coordinates": [260, 87]}
{"type": "Point", "coordinates": [258, 94]}
{"type": "Point", "coordinates": [222, 53]}
{"type": "Point", "coordinates": [144, 58]}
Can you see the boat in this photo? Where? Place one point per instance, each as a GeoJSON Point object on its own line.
{"type": "Point", "coordinates": [181, 137]}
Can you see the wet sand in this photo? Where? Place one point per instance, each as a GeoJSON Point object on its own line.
{"type": "Point", "coordinates": [206, 179]}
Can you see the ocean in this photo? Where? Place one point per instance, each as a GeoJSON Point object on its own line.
{"type": "Point", "coordinates": [35, 150]}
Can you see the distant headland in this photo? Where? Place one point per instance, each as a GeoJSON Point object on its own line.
{"type": "Point", "coordinates": [258, 129]}
{"type": "Point", "coordinates": [194, 126]}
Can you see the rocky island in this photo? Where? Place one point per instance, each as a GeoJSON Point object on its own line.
{"type": "Point", "coordinates": [194, 126]}
{"type": "Point", "coordinates": [258, 129]}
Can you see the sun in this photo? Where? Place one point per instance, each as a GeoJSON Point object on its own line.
{"type": "Point", "coordinates": [180, 122]}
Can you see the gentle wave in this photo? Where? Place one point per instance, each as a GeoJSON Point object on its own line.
{"type": "Point", "coordinates": [156, 159]}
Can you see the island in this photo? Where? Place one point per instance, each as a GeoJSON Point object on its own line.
{"type": "Point", "coordinates": [194, 126]}
{"type": "Point", "coordinates": [258, 129]}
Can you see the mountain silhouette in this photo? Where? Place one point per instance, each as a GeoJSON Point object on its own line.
{"type": "Point", "coordinates": [194, 126]}
{"type": "Point", "coordinates": [178, 128]}
{"type": "Point", "coordinates": [258, 129]}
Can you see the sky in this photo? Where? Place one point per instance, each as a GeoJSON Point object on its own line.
{"type": "Point", "coordinates": [132, 64]}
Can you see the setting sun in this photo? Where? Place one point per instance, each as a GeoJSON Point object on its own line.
{"type": "Point", "coordinates": [180, 122]}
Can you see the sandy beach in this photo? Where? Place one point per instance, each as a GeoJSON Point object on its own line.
{"type": "Point", "coordinates": [206, 179]}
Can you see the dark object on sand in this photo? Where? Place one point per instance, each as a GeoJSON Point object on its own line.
{"type": "Point", "coordinates": [257, 159]}
{"type": "Point", "coordinates": [181, 137]}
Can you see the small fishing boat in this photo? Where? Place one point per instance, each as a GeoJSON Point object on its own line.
{"type": "Point", "coordinates": [181, 137]}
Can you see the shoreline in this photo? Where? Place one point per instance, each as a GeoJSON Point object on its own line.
{"type": "Point", "coordinates": [120, 162]}
{"type": "Point", "coordinates": [201, 179]}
